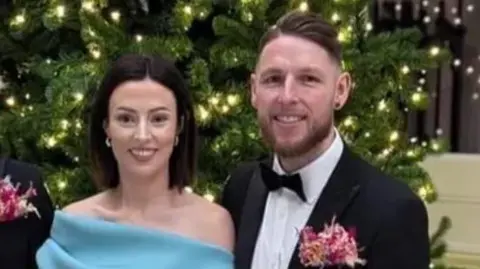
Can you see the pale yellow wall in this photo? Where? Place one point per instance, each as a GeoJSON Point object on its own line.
{"type": "Point", "coordinates": [457, 179]}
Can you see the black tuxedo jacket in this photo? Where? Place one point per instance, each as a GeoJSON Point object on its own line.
{"type": "Point", "coordinates": [391, 222]}
{"type": "Point", "coordinates": [22, 237]}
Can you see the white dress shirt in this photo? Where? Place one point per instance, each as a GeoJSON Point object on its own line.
{"type": "Point", "coordinates": [286, 214]}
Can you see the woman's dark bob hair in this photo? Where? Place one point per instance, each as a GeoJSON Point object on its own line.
{"type": "Point", "coordinates": [133, 67]}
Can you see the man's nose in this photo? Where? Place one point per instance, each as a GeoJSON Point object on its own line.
{"type": "Point", "coordinates": [288, 93]}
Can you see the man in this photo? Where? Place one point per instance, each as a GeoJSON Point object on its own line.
{"type": "Point", "coordinates": [21, 237]}
{"type": "Point", "coordinates": [296, 87]}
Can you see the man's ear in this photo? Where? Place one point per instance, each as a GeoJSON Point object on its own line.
{"type": "Point", "coordinates": [342, 91]}
{"type": "Point", "coordinates": [253, 93]}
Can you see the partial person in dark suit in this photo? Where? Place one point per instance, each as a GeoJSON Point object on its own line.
{"type": "Point", "coordinates": [297, 85]}
{"type": "Point", "coordinates": [21, 237]}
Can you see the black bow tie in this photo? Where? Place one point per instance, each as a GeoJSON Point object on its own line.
{"type": "Point", "coordinates": [274, 181]}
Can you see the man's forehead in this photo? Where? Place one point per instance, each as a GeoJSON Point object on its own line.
{"type": "Point", "coordinates": [289, 52]}
{"type": "Point", "coordinates": [286, 64]}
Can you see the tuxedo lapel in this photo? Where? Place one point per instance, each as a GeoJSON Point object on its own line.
{"type": "Point", "coordinates": [251, 220]}
{"type": "Point", "coordinates": [335, 198]}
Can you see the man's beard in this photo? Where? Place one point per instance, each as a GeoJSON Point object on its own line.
{"type": "Point", "coordinates": [315, 135]}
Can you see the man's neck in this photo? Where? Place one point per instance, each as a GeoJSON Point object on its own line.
{"type": "Point", "coordinates": [290, 164]}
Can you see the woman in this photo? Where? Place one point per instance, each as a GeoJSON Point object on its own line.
{"type": "Point", "coordinates": [142, 143]}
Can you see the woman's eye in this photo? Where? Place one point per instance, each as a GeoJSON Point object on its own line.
{"type": "Point", "coordinates": [125, 118]}
{"type": "Point", "coordinates": [159, 119]}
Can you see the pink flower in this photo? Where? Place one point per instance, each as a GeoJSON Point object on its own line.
{"type": "Point", "coordinates": [333, 246]}
{"type": "Point", "coordinates": [12, 204]}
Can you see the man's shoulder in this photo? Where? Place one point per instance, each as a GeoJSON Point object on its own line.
{"type": "Point", "coordinates": [384, 187]}
{"type": "Point", "coordinates": [21, 171]}
{"type": "Point", "coordinates": [246, 167]}
{"type": "Point", "coordinates": [242, 172]}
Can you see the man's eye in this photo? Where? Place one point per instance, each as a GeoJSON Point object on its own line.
{"type": "Point", "coordinates": [309, 79]}
{"type": "Point", "coordinates": [272, 79]}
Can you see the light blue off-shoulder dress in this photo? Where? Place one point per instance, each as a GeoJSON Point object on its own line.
{"type": "Point", "coordinates": [79, 242]}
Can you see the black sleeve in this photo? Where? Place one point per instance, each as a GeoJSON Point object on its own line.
{"type": "Point", "coordinates": [403, 242]}
{"type": "Point", "coordinates": [38, 227]}
{"type": "Point", "coordinates": [235, 190]}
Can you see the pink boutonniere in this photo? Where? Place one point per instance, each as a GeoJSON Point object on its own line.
{"type": "Point", "coordinates": [13, 204]}
{"type": "Point", "coordinates": [333, 246]}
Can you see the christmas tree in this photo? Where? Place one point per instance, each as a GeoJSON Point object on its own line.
{"type": "Point", "coordinates": [54, 53]}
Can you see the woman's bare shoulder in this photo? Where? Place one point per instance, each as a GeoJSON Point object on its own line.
{"type": "Point", "coordinates": [86, 206]}
{"type": "Point", "coordinates": [217, 225]}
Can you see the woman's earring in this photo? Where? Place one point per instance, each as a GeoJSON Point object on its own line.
{"type": "Point", "coordinates": [107, 142]}
{"type": "Point", "coordinates": [176, 140]}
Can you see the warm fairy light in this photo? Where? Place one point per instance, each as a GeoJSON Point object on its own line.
{"type": "Point", "coordinates": [64, 124]}
{"type": "Point", "coordinates": [348, 121]}
{"type": "Point", "coordinates": [248, 14]}
{"type": "Point", "coordinates": [51, 142]}
{"type": "Point", "coordinates": [139, 38]}
{"type": "Point", "coordinates": [209, 197]}
{"type": "Point", "coordinates": [203, 113]}
{"type": "Point", "coordinates": [422, 192]}
{"type": "Point", "coordinates": [435, 146]}
{"type": "Point", "coordinates": [233, 99]}
{"type": "Point", "coordinates": [188, 189]}
{"type": "Point", "coordinates": [394, 136]}
{"type": "Point", "coordinates": [61, 11]}
{"type": "Point", "coordinates": [416, 97]}
{"type": "Point", "coordinates": [187, 9]}
{"type": "Point", "coordinates": [469, 70]}
{"type": "Point", "coordinates": [303, 6]}
{"type": "Point", "coordinates": [382, 105]}
{"type": "Point", "coordinates": [88, 5]}
{"type": "Point", "coordinates": [61, 184]}
{"type": "Point", "coordinates": [335, 17]}
{"type": "Point", "coordinates": [214, 100]}
{"type": "Point", "coordinates": [369, 26]}
{"type": "Point", "coordinates": [115, 15]}
{"type": "Point", "coordinates": [78, 124]}
{"type": "Point", "coordinates": [19, 19]}
{"type": "Point", "coordinates": [405, 69]}
{"type": "Point", "coordinates": [96, 53]}
{"type": "Point", "coordinates": [225, 108]}
{"type": "Point", "coordinates": [385, 153]}
{"type": "Point", "coordinates": [10, 101]}
{"type": "Point", "coordinates": [78, 96]}
{"type": "Point", "coordinates": [434, 51]}
{"type": "Point", "coordinates": [341, 37]}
